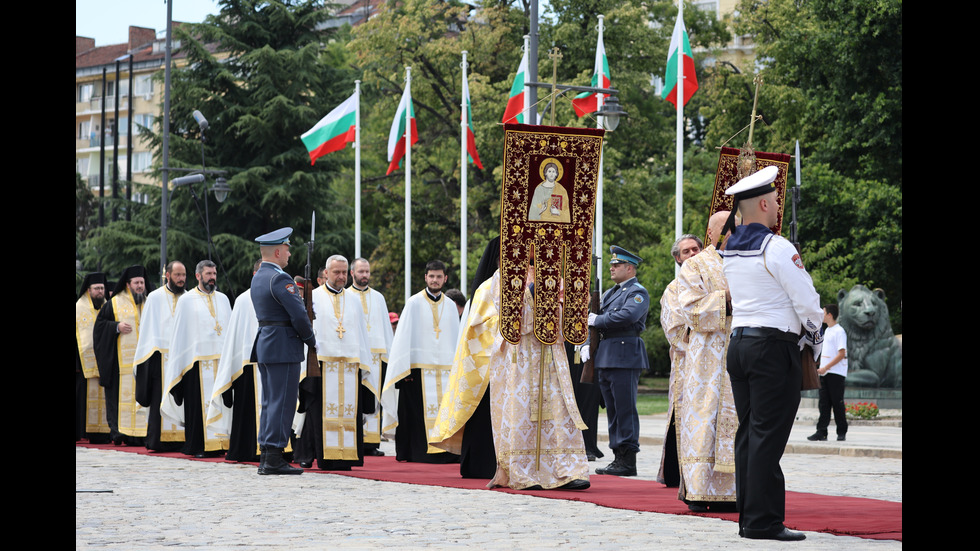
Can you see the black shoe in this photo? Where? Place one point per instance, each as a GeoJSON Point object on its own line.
{"type": "Point", "coordinates": [612, 465]}
{"type": "Point", "coordinates": [817, 436]}
{"type": "Point", "coordinates": [697, 507]}
{"type": "Point", "coordinates": [375, 452]}
{"type": "Point", "coordinates": [784, 535]}
{"type": "Point", "coordinates": [841, 438]}
{"type": "Point", "coordinates": [578, 484]}
{"type": "Point", "coordinates": [274, 463]}
{"type": "Point", "coordinates": [590, 457]}
{"type": "Point", "coordinates": [535, 488]}
{"type": "Point", "coordinates": [626, 465]}
{"type": "Point", "coordinates": [306, 464]}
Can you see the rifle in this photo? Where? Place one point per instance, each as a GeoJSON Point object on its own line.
{"type": "Point", "coordinates": [588, 368]}
{"type": "Point", "coordinates": [312, 363]}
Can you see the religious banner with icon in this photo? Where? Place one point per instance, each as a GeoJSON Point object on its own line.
{"type": "Point", "coordinates": [547, 210]}
{"type": "Point", "coordinates": [730, 172]}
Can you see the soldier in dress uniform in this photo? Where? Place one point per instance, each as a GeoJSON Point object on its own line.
{"type": "Point", "coordinates": [621, 357]}
{"type": "Point", "coordinates": [278, 349]}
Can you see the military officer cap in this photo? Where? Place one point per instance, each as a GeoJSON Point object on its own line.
{"type": "Point", "coordinates": [759, 183]}
{"type": "Point", "coordinates": [621, 255]}
{"type": "Point", "coordinates": [274, 238]}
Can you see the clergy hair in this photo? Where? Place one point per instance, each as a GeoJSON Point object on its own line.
{"type": "Point", "coordinates": [457, 296]}
{"type": "Point", "coordinates": [170, 266]}
{"type": "Point", "coordinates": [435, 266]}
{"type": "Point", "coordinates": [334, 258]}
{"type": "Point", "coordinates": [675, 251]}
{"type": "Point", "coordinates": [204, 264]}
{"type": "Point", "coordinates": [359, 259]}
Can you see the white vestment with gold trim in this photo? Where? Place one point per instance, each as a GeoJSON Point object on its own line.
{"type": "Point", "coordinates": [201, 322]}
{"type": "Point", "coordinates": [706, 419]}
{"type": "Point", "coordinates": [425, 340]}
{"type": "Point", "coordinates": [537, 427]}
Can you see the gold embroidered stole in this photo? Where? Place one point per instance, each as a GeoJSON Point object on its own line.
{"type": "Point", "coordinates": [132, 416]}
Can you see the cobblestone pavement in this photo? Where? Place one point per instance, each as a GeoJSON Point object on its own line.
{"type": "Point", "coordinates": [126, 501]}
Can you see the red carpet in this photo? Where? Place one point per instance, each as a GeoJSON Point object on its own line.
{"type": "Point", "coordinates": [844, 516]}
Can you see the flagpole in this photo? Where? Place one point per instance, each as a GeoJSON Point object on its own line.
{"type": "Point", "coordinates": [357, 170]}
{"type": "Point", "coordinates": [527, 89]}
{"type": "Point", "coordinates": [463, 126]}
{"type": "Point", "coordinates": [679, 147]}
{"type": "Point", "coordinates": [600, 99]}
{"type": "Point", "coordinates": [408, 185]}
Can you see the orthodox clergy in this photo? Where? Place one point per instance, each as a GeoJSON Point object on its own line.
{"type": "Point", "coordinates": [156, 328]}
{"type": "Point", "coordinates": [463, 426]}
{"type": "Point", "coordinates": [116, 333]}
{"type": "Point", "coordinates": [200, 323]}
{"type": "Point", "coordinates": [90, 414]}
{"type": "Point", "coordinates": [421, 357]}
{"type": "Point", "coordinates": [537, 428]}
{"type": "Point", "coordinates": [676, 330]}
{"type": "Point", "coordinates": [333, 430]}
{"type": "Point", "coordinates": [380, 335]}
{"type": "Point", "coordinates": [706, 421]}
{"type": "Point", "coordinates": [232, 411]}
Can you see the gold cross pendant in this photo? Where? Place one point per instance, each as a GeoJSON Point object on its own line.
{"type": "Point", "coordinates": [341, 331]}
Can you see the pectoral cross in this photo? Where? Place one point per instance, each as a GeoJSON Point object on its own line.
{"type": "Point", "coordinates": [340, 331]}
{"type": "Point", "coordinates": [217, 328]}
{"type": "Point", "coordinates": [437, 330]}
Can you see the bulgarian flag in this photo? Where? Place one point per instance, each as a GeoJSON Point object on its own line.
{"type": "Point", "coordinates": [587, 102]}
{"type": "Point", "coordinates": [680, 45]}
{"type": "Point", "coordinates": [470, 139]}
{"type": "Point", "coordinates": [516, 104]}
{"type": "Point", "coordinates": [333, 132]}
{"type": "Point", "coordinates": [396, 138]}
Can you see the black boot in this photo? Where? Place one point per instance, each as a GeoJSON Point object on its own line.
{"type": "Point", "coordinates": [626, 466]}
{"type": "Point", "coordinates": [262, 459]}
{"type": "Point", "coordinates": [274, 463]}
{"type": "Point", "coordinates": [613, 465]}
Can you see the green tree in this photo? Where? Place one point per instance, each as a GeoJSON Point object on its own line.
{"type": "Point", "coordinates": [262, 73]}
{"type": "Point", "coordinates": [844, 59]}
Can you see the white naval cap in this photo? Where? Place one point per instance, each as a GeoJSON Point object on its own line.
{"type": "Point", "coordinates": [753, 185]}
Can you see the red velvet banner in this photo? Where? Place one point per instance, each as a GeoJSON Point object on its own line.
{"type": "Point", "coordinates": [727, 176]}
{"type": "Point", "coordinates": [547, 209]}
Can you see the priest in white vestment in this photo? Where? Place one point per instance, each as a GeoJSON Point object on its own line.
{"type": "Point", "coordinates": [537, 427]}
{"type": "Point", "coordinates": [152, 348]}
{"type": "Point", "coordinates": [245, 394]}
{"type": "Point", "coordinates": [333, 431]}
{"type": "Point", "coordinates": [379, 336]}
{"type": "Point", "coordinates": [200, 323]}
{"type": "Point", "coordinates": [706, 421]}
{"type": "Point", "coordinates": [420, 359]}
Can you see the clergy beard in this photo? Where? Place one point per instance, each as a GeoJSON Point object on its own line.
{"type": "Point", "coordinates": [97, 302]}
{"type": "Point", "coordinates": [139, 298]}
{"type": "Point", "coordinates": [210, 286]}
{"type": "Point", "coordinates": [175, 290]}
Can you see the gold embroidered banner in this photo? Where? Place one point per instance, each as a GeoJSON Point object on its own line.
{"type": "Point", "coordinates": [547, 208]}
{"type": "Point", "coordinates": [727, 176]}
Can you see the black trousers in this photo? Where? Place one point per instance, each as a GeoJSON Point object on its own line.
{"type": "Point", "coordinates": [766, 375]}
{"type": "Point", "coordinates": [832, 398]}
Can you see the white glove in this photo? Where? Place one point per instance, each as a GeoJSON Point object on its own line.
{"type": "Point", "coordinates": [584, 353]}
{"type": "Point", "coordinates": [592, 318]}
{"type": "Point", "coordinates": [815, 340]}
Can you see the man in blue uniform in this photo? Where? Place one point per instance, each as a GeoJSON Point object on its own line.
{"type": "Point", "coordinates": [278, 348]}
{"type": "Point", "coordinates": [775, 310]}
{"type": "Point", "coordinates": [621, 357]}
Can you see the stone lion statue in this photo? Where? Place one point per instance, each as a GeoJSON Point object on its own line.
{"type": "Point", "coordinates": [874, 355]}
